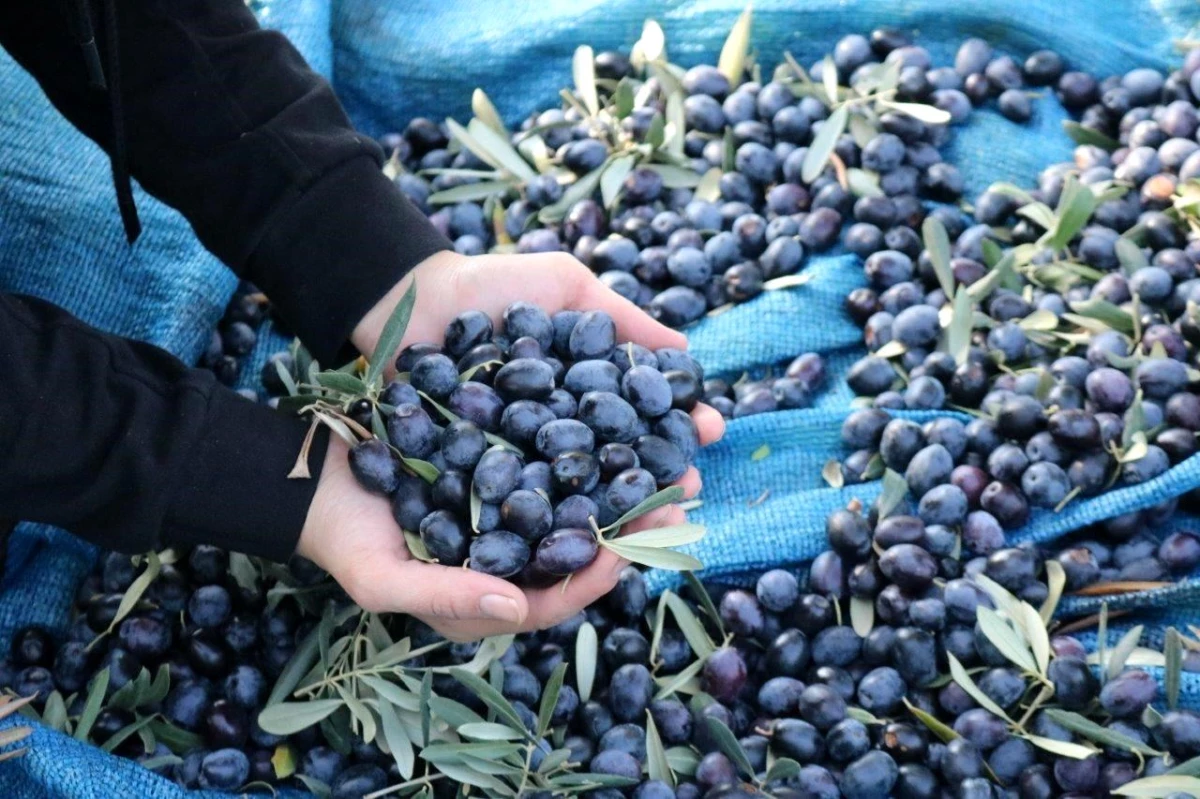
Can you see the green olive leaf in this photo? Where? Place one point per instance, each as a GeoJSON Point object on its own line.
{"type": "Point", "coordinates": [929, 114]}
{"type": "Point", "coordinates": [729, 745]}
{"type": "Point", "coordinates": [674, 536]}
{"type": "Point", "coordinates": [1089, 729]}
{"type": "Point", "coordinates": [586, 652]}
{"type": "Point", "coordinates": [943, 731]}
{"type": "Point", "coordinates": [93, 705]}
{"type": "Point", "coordinates": [685, 682]}
{"type": "Point", "coordinates": [691, 627]}
{"type": "Point", "coordinates": [391, 336]}
{"type": "Point", "coordinates": [583, 68]}
{"type": "Point", "coordinates": [471, 191]}
{"type": "Point", "coordinates": [1081, 135]}
{"type": "Point", "coordinates": [965, 682]}
{"type": "Point", "coordinates": [823, 143]}
{"type": "Point", "coordinates": [937, 244]}
{"type": "Point", "coordinates": [895, 488]}
{"type": "Point", "coordinates": [709, 187]}
{"type": "Point", "coordinates": [667, 496]}
{"type": "Point", "coordinates": [863, 182]}
{"type": "Point", "coordinates": [657, 765]}
{"type": "Point", "coordinates": [732, 61]}
{"type": "Point", "coordinates": [1063, 748]}
{"type": "Point", "coordinates": [287, 718]}
{"type": "Point", "coordinates": [832, 473]}
{"type": "Point", "coordinates": [613, 178]}
{"type": "Point", "coordinates": [550, 698]}
{"type": "Point", "coordinates": [1006, 639]}
{"type": "Point", "coordinates": [1122, 651]}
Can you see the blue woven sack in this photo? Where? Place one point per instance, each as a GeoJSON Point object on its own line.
{"type": "Point", "coordinates": [60, 238]}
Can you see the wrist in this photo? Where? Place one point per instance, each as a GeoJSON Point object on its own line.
{"type": "Point", "coordinates": [366, 332]}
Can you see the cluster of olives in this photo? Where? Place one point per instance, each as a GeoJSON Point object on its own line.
{"type": "Point", "coordinates": [678, 254]}
{"type": "Point", "coordinates": [236, 335]}
{"type": "Point", "coordinates": [590, 429]}
{"type": "Point", "coordinates": [801, 380]}
{"type": "Point", "coordinates": [221, 644]}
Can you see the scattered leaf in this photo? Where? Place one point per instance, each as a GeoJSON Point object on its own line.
{"type": "Point", "coordinates": [823, 143]}
{"type": "Point", "coordinates": [586, 651]}
{"type": "Point", "coordinates": [732, 61]}
{"type": "Point", "coordinates": [937, 243]}
{"type": "Point", "coordinates": [1094, 732]}
{"type": "Point", "coordinates": [1064, 748]}
{"type": "Point", "coordinates": [862, 615]}
{"type": "Point", "coordinates": [657, 765]}
{"type": "Point", "coordinates": [1081, 135]}
{"type": "Point", "coordinates": [965, 682]}
{"type": "Point", "coordinates": [832, 472]}
{"type": "Point", "coordinates": [760, 453]}
{"type": "Point", "coordinates": [583, 67]}
{"type": "Point", "coordinates": [1172, 671]}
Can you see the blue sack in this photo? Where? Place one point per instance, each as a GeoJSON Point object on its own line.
{"type": "Point", "coordinates": [61, 239]}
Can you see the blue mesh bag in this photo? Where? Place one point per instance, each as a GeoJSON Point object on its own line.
{"type": "Point", "coordinates": [60, 238]}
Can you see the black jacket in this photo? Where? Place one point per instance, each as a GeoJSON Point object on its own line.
{"type": "Point", "coordinates": [116, 440]}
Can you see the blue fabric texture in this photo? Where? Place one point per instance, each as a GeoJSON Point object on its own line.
{"type": "Point", "coordinates": [61, 239]}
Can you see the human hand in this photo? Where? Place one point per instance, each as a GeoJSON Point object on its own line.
{"type": "Point", "coordinates": [353, 534]}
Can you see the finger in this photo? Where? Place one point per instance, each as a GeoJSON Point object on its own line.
{"type": "Point", "coordinates": [549, 606]}
{"type": "Point", "coordinates": [690, 482]}
{"type": "Point", "coordinates": [448, 594]}
{"type": "Point", "coordinates": [710, 424]}
{"type": "Point", "coordinates": [633, 324]}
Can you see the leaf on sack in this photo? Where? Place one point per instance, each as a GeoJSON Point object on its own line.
{"type": "Point", "coordinates": [832, 473]}
{"type": "Point", "coordinates": [760, 453]}
{"type": "Point", "coordinates": [732, 61]}
{"type": "Point", "coordinates": [817, 157]}
{"type": "Point", "coordinates": [586, 653]}
{"type": "Point", "coordinates": [1122, 651]}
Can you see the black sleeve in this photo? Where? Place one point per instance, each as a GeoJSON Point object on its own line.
{"type": "Point", "coordinates": [225, 122]}
{"type": "Point", "coordinates": [120, 443]}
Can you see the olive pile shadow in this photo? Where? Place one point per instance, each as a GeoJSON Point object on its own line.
{"type": "Point", "coordinates": [770, 691]}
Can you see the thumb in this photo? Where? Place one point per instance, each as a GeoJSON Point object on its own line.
{"type": "Point", "coordinates": [446, 593]}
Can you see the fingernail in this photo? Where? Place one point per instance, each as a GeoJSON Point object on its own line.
{"type": "Point", "coordinates": [500, 607]}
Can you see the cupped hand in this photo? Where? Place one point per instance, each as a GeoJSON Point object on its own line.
{"type": "Point", "coordinates": [353, 535]}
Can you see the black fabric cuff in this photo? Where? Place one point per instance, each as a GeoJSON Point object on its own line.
{"type": "Point", "coordinates": [232, 489]}
{"type": "Point", "coordinates": [336, 250]}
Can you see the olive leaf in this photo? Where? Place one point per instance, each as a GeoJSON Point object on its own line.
{"type": "Point", "coordinates": [677, 123]}
{"type": "Point", "coordinates": [862, 716]}
{"type": "Point", "coordinates": [706, 603]}
{"type": "Point", "coordinates": [1081, 135]}
{"type": "Point", "coordinates": [690, 626]}
{"type": "Point", "coordinates": [498, 151]}
{"type": "Point", "coordinates": [120, 736]}
{"type": "Point", "coordinates": [395, 740]}
{"type": "Point", "coordinates": [937, 244]}
{"type": "Point", "coordinates": [488, 731]}
{"type": "Point", "coordinates": [832, 473]}
{"type": "Point", "coordinates": [943, 731]}
{"type": "Point", "coordinates": [1006, 639]}
{"type": "Point", "coordinates": [586, 651]}
{"type": "Point", "coordinates": [729, 745]}
{"type": "Point", "coordinates": [550, 698]}
{"type": "Point", "coordinates": [656, 133]}
{"type": "Point", "coordinates": [962, 322]}
{"type": "Point", "coordinates": [613, 178]}
{"type": "Point", "coordinates": [651, 46]}
{"type": "Point", "coordinates": [675, 177]}
{"type": "Point", "coordinates": [470, 191]}
{"type": "Point", "coordinates": [1036, 634]}
{"type": "Point", "coordinates": [427, 706]}
{"type": "Point", "coordinates": [583, 68]}
{"type": "Point", "coordinates": [314, 785]}
{"type": "Point", "coordinates": [1057, 747]}
{"type": "Point", "coordinates": [657, 765]}
{"type": "Point", "coordinates": [684, 682]}
{"type": "Point", "coordinates": [823, 143]}
{"type": "Point", "coordinates": [391, 336]}
{"type": "Point", "coordinates": [787, 282]}
{"type": "Point", "coordinates": [862, 615]}
{"type": "Point", "coordinates": [667, 496]}
{"type": "Point", "coordinates": [1131, 256]}
{"type": "Point", "coordinates": [1135, 421]}
{"type": "Point", "coordinates": [783, 768]}
{"type": "Point", "coordinates": [54, 714]}
{"type": "Point", "coordinates": [1039, 213]}
{"type": "Point", "coordinates": [133, 594]}
{"type": "Point", "coordinates": [673, 536]}
{"type": "Point", "coordinates": [581, 189]}
{"type": "Point", "coordinates": [287, 718]}
{"type": "Point", "coordinates": [1122, 651]}
{"type": "Point", "coordinates": [1188, 768]}
{"type": "Point", "coordinates": [1075, 206]}
{"type": "Point", "coordinates": [929, 114]}
{"type": "Point", "coordinates": [895, 488]}
{"type": "Point", "coordinates": [709, 187]}
{"type": "Point", "coordinates": [683, 760]}
{"type": "Point", "coordinates": [490, 696]}
{"type": "Point", "coordinates": [728, 151]}
{"type": "Point", "coordinates": [1173, 655]}
{"type": "Point", "coordinates": [732, 61]}
{"type": "Point", "coordinates": [893, 349]}
{"type": "Point", "coordinates": [654, 557]}
{"type": "Point", "coordinates": [1105, 312]}
{"type": "Point", "coordinates": [1089, 729]}
{"type": "Point", "coordinates": [92, 706]}
{"type": "Point", "coordinates": [829, 80]}
{"type": "Point", "coordinates": [485, 112]}
{"type": "Point", "coordinates": [862, 130]}
{"type": "Point", "coordinates": [760, 453]}
{"type": "Point", "coordinates": [965, 682]}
